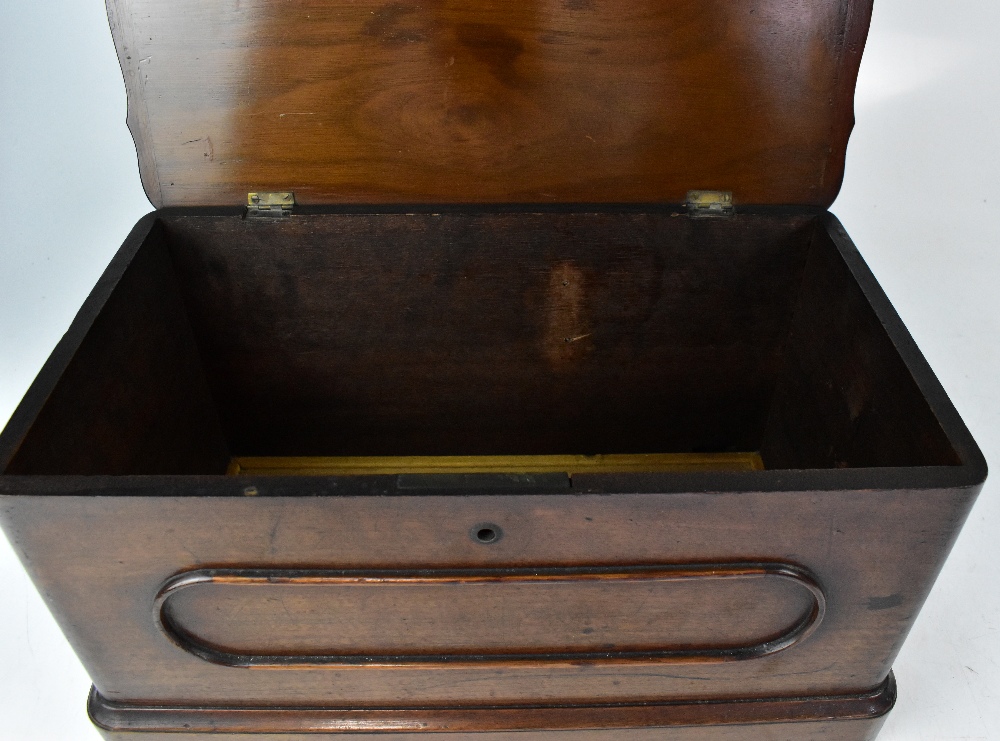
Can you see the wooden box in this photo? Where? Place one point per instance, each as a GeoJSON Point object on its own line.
{"type": "Point", "coordinates": [533, 394]}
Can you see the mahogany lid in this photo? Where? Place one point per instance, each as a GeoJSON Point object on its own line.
{"type": "Point", "coordinates": [530, 101]}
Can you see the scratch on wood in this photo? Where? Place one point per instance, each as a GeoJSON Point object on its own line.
{"type": "Point", "coordinates": [209, 149]}
{"type": "Point", "coordinates": [565, 317]}
{"type": "Point", "coordinates": [273, 534]}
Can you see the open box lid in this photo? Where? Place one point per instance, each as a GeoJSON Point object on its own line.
{"type": "Point", "coordinates": [466, 101]}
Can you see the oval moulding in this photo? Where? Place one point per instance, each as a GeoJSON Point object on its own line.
{"type": "Point", "coordinates": [278, 618]}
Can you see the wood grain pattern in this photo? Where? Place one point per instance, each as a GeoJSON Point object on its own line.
{"type": "Point", "coordinates": [486, 101]}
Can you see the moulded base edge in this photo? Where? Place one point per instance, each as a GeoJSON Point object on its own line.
{"type": "Point", "coordinates": [856, 717]}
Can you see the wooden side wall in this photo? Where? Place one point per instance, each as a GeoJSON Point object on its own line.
{"type": "Point", "coordinates": [133, 399]}
{"type": "Point", "coordinates": [846, 399]}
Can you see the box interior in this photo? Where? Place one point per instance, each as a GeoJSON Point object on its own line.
{"type": "Point", "coordinates": [641, 336]}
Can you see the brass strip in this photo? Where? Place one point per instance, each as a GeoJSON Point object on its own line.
{"type": "Point", "coordinates": [516, 464]}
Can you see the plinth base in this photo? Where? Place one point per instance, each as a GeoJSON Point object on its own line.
{"type": "Point", "coordinates": [830, 718]}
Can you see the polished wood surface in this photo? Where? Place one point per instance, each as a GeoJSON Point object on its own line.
{"type": "Point", "coordinates": [102, 560]}
{"type": "Point", "coordinates": [842, 717]}
{"type": "Point", "coordinates": [531, 101]}
{"type": "Point", "coordinates": [278, 618]}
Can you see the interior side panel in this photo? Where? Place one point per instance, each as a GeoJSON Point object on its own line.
{"type": "Point", "coordinates": [133, 400]}
{"type": "Point", "coordinates": [846, 398]}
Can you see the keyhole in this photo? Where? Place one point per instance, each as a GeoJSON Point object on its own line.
{"type": "Point", "coordinates": [486, 533]}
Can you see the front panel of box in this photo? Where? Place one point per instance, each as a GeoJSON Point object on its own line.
{"type": "Point", "coordinates": [394, 601]}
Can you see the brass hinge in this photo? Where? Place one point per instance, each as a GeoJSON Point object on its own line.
{"type": "Point", "coordinates": [270, 204]}
{"type": "Point", "coordinates": [709, 203]}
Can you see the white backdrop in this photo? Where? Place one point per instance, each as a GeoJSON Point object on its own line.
{"type": "Point", "coordinates": [921, 199]}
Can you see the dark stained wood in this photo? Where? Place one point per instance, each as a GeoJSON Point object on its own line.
{"type": "Point", "coordinates": [448, 101]}
{"type": "Point", "coordinates": [484, 333]}
{"type": "Point", "coordinates": [848, 401]}
{"type": "Point", "coordinates": [134, 398]}
{"type": "Point", "coordinates": [490, 333]}
{"type": "Point", "coordinates": [836, 718]}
